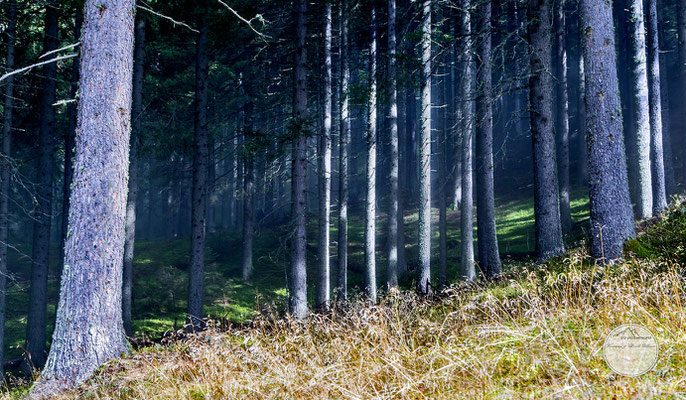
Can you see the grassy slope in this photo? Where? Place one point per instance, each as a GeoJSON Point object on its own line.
{"type": "Point", "coordinates": [537, 333]}
{"type": "Point", "coordinates": [160, 280]}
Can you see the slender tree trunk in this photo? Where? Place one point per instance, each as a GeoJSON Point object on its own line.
{"type": "Point", "coordinates": [639, 82]}
{"type": "Point", "coordinates": [562, 126]}
{"type": "Point", "coordinates": [655, 102]}
{"type": "Point", "coordinates": [394, 170]}
{"type": "Point", "coordinates": [464, 118]}
{"type": "Point", "coordinates": [424, 273]}
{"type": "Point", "coordinates": [233, 183]}
{"type": "Point", "coordinates": [323, 286]}
{"type": "Point", "coordinates": [98, 205]}
{"type": "Point", "coordinates": [370, 205]}
{"type": "Point", "coordinates": [670, 181]}
{"type": "Point", "coordinates": [442, 149]}
{"type": "Point", "coordinates": [489, 256]}
{"type": "Point", "coordinates": [344, 144]}
{"type": "Point", "coordinates": [611, 215]}
{"type": "Point", "coordinates": [8, 108]}
{"type": "Point", "coordinates": [298, 278]}
{"type": "Point", "coordinates": [199, 186]}
{"type": "Point", "coordinates": [136, 115]}
{"type": "Point", "coordinates": [211, 194]}
{"type": "Point", "coordinates": [581, 115]}
{"type": "Point", "coordinates": [248, 157]}
{"type": "Point", "coordinates": [36, 323]}
{"type": "Point", "coordinates": [548, 227]}
{"type": "Point", "coordinates": [681, 71]}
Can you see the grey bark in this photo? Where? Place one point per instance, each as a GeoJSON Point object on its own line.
{"type": "Point", "coordinates": [394, 170]}
{"type": "Point", "coordinates": [466, 105]}
{"type": "Point", "coordinates": [36, 323]}
{"type": "Point", "coordinates": [639, 86]}
{"type": "Point", "coordinates": [655, 103]}
{"type": "Point", "coordinates": [198, 194]}
{"type": "Point", "coordinates": [344, 144]}
{"type": "Point", "coordinates": [8, 108]}
{"type": "Point", "coordinates": [324, 284]}
{"type": "Point", "coordinates": [424, 272]}
{"type": "Point", "coordinates": [549, 241]}
{"type": "Point", "coordinates": [562, 126]}
{"type": "Point", "coordinates": [681, 70]}
{"type": "Point", "coordinates": [670, 182]}
{"type": "Point", "coordinates": [443, 183]}
{"type": "Point", "coordinates": [248, 157]}
{"type": "Point", "coordinates": [136, 115]}
{"type": "Point", "coordinates": [298, 278]}
{"type": "Point", "coordinates": [611, 215]}
{"type": "Point", "coordinates": [370, 204]}
{"type": "Point", "coordinates": [89, 329]}
{"type": "Point", "coordinates": [489, 256]}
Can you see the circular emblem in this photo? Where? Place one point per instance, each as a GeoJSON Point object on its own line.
{"type": "Point", "coordinates": [630, 350]}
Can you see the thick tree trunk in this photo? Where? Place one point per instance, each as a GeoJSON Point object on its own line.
{"type": "Point", "coordinates": [394, 170]}
{"type": "Point", "coordinates": [199, 198]}
{"type": "Point", "coordinates": [489, 256]}
{"type": "Point", "coordinates": [639, 86]}
{"type": "Point", "coordinates": [98, 205]}
{"type": "Point", "coordinates": [370, 205]}
{"type": "Point", "coordinates": [343, 147]}
{"type": "Point", "coordinates": [248, 156]}
{"type": "Point", "coordinates": [549, 241]}
{"type": "Point", "coordinates": [465, 115]}
{"type": "Point", "coordinates": [298, 278]}
{"type": "Point", "coordinates": [655, 102]}
{"type": "Point", "coordinates": [424, 272]}
{"type": "Point", "coordinates": [8, 108]}
{"type": "Point", "coordinates": [681, 71]}
{"type": "Point", "coordinates": [611, 215]}
{"type": "Point", "coordinates": [136, 115]}
{"type": "Point", "coordinates": [323, 285]}
{"type": "Point", "coordinates": [562, 126]}
{"type": "Point", "coordinates": [36, 323]}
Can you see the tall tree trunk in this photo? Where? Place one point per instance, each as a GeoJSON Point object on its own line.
{"type": "Point", "coordinates": [424, 273]}
{"type": "Point", "coordinates": [546, 209]}
{"type": "Point", "coordinates": [198, 200]}
{"type": "Point", "coordinates": [562, 126]}
{"type": "Point", "coordinates": [442, 149]}
{"type": "Point", "coordinates": [489, 256]}
{"type": "Point", "coordinates": [655, 102]}
{"type": "Point", "coordinates": [394, 170]}
{"type": "Point", "coordinates": [8, 108]}
{"type": "Point", "coordinates": [343, 147]}
{"type": "Point", "coordinates": [248, 154]}
{"type": "Point", "coordinates": [465, 104]}
{"type": "Point", "coordinates": [136, 115]}
{"type": "Point", "coordinates": [611, 215]}
{"type": "Point", "coordinates": [36, 324]}
{"type": "Point", "coordinates": [298, 278]}
{"type": "Point", "coordinates": [323, 286]}
{"type": "Point", "coordinates": [681, 71]}
{"type": "Point", "coordinates": [639, 86]}
{"type": "Point", "coordinates": [670, 181]}
{"type": "Point", "coordinates": [98, 205]}
{"type": "Point", "coordinates": [370, 205]}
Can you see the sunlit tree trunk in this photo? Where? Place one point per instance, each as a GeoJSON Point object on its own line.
{"type": "Point", "coordinates": [424, 273]}
{"type": "Point", "coordinates": [136, 115]}
{"type": "Point", "coordinates": [370, 205]}
{"type": "Point", "coordinates": [392, 268]}
{"type": "Point", "coordinates": [344, 143]}
{"type": "Point", "coordinates": [611, 215]}
{"type": "Point", "coordinates": [98, 205]}
{"type": "Point", "coordinates": [562, 126]}
{"type": "Point", "coordinates": [199, 198]}
{"type": "Point", "coordinates": [442, 149]}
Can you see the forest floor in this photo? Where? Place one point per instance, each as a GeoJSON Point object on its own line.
{"type": "Point", "coordinates": [536, 333]}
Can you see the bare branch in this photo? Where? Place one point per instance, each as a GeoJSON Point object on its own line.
{"type": "Point", "coordinates": [19, 71]}
{"type": "Point", "coordinates": [58, 50]}
{"type": "Point", "coordinates": [249, 23]}
{"type": "Point", "coordinates": [175, 22]}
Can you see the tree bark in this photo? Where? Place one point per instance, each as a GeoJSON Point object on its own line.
{"type": "Point", "coordinates": [424, 273]}
{"type": "Point", "coordinates": [443, 183]}
{"type": "Point", "coordinates": [562, 126]}
{"type": "Point", "coordinates": [343, 147]}
{"type": "Point", "coordinates": [489, 256]}
{"type": "Point", "coordinates": [248, 154]}
{"type": "Point", "coordinates": [639, 86]}
{"type": "Point", "coordinates": [136, 116]}
{"type": "Point", "coordinates": [549, 241]}
{"type": "Point", "coordinates": [681, 71]}
{"type": "Point", "coordinates": [8, 108]}
{"type": "Point", "coordinates": [98, 205]}
{"type": "Point", "coordinates": [611, 215]}
{"type": "Point", "coordinates": [655, 102]}
{"type": "Point", "coordinates": [670, 181]}
{"type": "Point", "coordinates": [36, 323]}
{"type": "Point", "coordinates": [199, 185]}
{"type": "Point", "coordinates": [298, 278]}
{"type": "Point", "coordinates": [394, 170]}
{"type": "Point", "coordinates": [370, 205]}
{"type": "Point", "coordinates": [323, 286]}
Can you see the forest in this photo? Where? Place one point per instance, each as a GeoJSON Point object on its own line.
{"type": "Point", "coordinates": [220, 199]}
